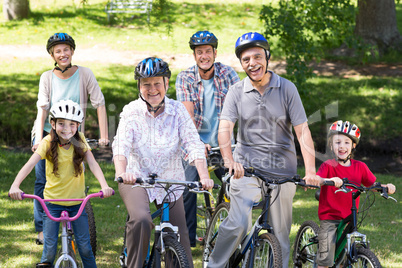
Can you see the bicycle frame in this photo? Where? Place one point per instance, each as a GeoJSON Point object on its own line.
{"type": "Point", "coordinates": [65, 220]}
{"type": "Point", "coordinates": [262, 222]}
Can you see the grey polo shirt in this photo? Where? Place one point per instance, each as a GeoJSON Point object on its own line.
{"type": "Point", "coordinates": [264, 138]}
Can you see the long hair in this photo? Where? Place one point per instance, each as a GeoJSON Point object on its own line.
{"type": "Point", "coordinates": [78, 157]}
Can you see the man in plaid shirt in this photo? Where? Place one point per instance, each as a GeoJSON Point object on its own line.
{"type": "Point", "coordinates": [202, 89]}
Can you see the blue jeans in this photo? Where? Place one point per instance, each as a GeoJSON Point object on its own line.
{"type": "Point", "coordinates": [40, 173]}
{"type": "Point", "coordinates": [81, 234]}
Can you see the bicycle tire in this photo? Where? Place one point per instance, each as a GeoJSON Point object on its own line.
{"type": "Point", "coordinates": [365, 258]}
{"type": "Point", "coordinates": [174, 256]}
{"type": "Point", "coordinates": [267, 252]}
{"type": "Point", "coordinates": [91, 226]}
{"type": "Point", "coordinates": [221, 212]}
{"type": "Point", "coordinates": [306, 233]}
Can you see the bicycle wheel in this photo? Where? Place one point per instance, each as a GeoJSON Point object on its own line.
{"type": "Point", "coordinates": [221, 212]}
{"type": "Point", "coordinates": [365, 258]}
{"type": "Point", "coordinates": [175, 255]}
{"type": "Point", "coordinates": [306, 245]}
{"type": "Point", "coordinates": [92, 226]}
{"type": "Point", "coordinates": [267, 252]}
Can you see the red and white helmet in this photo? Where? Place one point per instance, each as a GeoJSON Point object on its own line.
{"type": "Point", "coordinates": [345, 128]}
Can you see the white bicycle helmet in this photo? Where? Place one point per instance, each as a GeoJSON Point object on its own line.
{"type": "Point", "coordinates": [345, 128]}
{"type": "Point", "coordinates": [66, 109]}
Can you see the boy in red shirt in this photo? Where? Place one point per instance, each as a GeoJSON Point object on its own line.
{"type": "Point", "coordinates": [342, 140]}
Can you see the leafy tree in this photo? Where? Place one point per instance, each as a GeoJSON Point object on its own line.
{"type": "Point", "coordinates": [307, 29]}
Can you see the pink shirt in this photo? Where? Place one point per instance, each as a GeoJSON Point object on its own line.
{"type": "Point", "coordinates": [152, 145]}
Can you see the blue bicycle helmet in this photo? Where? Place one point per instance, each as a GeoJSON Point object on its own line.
{"type": "Point", "coordinates": [151, 67]}
{"type": "Point", "coordinates": [60, 38]}
{"type": "Point", "coordinates": [251, 39]}
{"type": "Point", "coordinates": [203, 38]}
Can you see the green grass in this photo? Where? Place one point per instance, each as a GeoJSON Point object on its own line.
{"type": "Point", "coordinates": [17, 235]}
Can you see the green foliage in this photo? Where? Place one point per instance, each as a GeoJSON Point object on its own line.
{"type": "Point", "coordinates": [306, 30]}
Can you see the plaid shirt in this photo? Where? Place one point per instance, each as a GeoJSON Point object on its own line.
{"type": "Point", "coordinates": [189, 88]}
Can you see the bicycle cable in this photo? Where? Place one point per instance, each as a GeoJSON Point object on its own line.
{"type": "Point", "coordinates": [366, 205]}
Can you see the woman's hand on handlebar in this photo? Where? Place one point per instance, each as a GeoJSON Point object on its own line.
{"type": "Point", "coordinates": [128, 178]}
{"type": "Point", "coordinates": [207, 183]}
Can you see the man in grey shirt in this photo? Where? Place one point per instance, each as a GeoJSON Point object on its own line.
{"type": "Point", "coordinates": [266, 106]}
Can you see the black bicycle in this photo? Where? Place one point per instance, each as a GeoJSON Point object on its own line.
{"type": "Point", "coordinates": [260, 248]}
{"type": "Point", "coordinates": [352, 247]}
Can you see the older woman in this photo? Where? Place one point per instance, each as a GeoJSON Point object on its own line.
{"type": "Point", "coordinates": [151, 132]}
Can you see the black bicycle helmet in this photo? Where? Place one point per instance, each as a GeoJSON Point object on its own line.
{"type": "Point", "coordinates": [252, 39]}
{"type": "Point", "coordinates": [151, 67]}
{"type": "Point", "coordinates": [203, 38]}
{"type": "Point", "coordinates": [60, 38]}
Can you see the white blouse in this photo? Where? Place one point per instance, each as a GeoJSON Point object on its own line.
{"type": "Point", "coordinates": [154, 145]}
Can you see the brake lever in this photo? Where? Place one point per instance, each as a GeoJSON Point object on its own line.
{"type": "Point", "coordinates": [386, 196]}
{"type": "Point", "coordinates": [143, 186]}
{"type": "Point", "coordinates": [343, 190]}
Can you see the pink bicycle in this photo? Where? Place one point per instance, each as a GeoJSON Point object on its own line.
{"type": "Point", "coordinates": [68, 252]}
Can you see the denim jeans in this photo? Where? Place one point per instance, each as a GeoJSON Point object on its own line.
{"type": "Point", "coordinates": [81, 234]}
{"type": "Point", "coordinates": [40, 173]}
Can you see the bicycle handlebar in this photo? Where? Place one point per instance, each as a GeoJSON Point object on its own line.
{"type": "Point", "coordinates": [63, 216]}
{"type": "Point", "coordinates": [250, 172]}
{"type": "Point", "coordinates": [375, 187]}
{"type": "Point", "coordinates": [193, 185]}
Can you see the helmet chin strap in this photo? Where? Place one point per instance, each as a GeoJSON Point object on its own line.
{"type": "Point", "coordinates": [205, 71]}
{"type": "Point", "coordinates": [59, 69]}
{"type": "Point", "coordinates": [348, 157]}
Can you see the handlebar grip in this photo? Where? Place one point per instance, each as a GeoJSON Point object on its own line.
{"type": "Point", "coordinates": [138, 180]}
{"type": "Point", "coordinates": [330, 183]}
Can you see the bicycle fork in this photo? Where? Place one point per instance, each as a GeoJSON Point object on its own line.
{"type": "Point", "coordinates": [353, 239]}
{"type": "Point", "coordinates": [65, 236]}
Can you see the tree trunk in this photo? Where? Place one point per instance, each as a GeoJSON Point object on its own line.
{"type": "Point", "coordinates": [376, 24]}
{"type": "Point", "coordinates": [16, 9]}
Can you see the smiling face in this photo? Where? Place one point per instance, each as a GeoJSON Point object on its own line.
{"type": "Point", "coordinates": [153, 89]}
{"type": "Point", "coordinates": [65, 129]}
{"type": "Point", "coordinates": [204, 56]}
{"type": "Point", "coordinates": [342, 146]}
{"type": "Point", "coordinates": [62, 54]}
{"type": "Point", "coordinates": [254, 63]}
